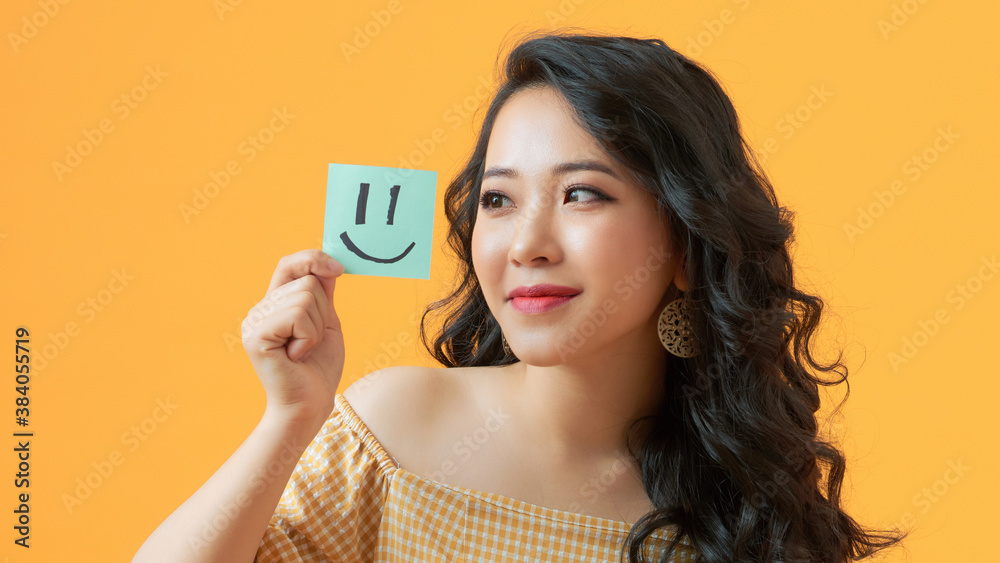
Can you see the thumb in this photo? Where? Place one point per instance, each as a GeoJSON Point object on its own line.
{"type": "Point", "coordinates": [331, 270]}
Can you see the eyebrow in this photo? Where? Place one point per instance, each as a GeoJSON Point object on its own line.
{"type": "Point", "coordinates": [559, 169]}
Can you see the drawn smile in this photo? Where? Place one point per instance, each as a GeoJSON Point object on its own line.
{"type": "Point", "coordinates": [354, 248]}
{"type": "Point", "coordinates": [359, 219]}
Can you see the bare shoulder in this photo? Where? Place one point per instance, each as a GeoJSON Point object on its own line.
{"type": "Point", "coordinates": [387, 396]}
{"type": "Point", "coordinates": [409, 409]}
{"type": "Point", "coordinates": [401, 406]}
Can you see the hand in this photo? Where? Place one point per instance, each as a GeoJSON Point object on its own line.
{"type": "Point", "coordinates": [294, 339]}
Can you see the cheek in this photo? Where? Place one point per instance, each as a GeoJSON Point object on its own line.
{"type": "Point", "coordinates": [609, 251]}
{"type": "Point", "coordinates": [488, 256]}
{"type": "Point", "coordinates": [620, 263]}
{"type": "Point", "coordinates": [478, 250]}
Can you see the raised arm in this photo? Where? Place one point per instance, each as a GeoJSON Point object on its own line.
{"type": "Point", "coordinates": [294, 341]}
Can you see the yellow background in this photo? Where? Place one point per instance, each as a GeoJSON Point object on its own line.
{"type": "Point", "coordinates": [172, 333]}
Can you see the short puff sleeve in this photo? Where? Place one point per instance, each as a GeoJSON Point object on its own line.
{"type": "Point", "coordinates": [332, 506]}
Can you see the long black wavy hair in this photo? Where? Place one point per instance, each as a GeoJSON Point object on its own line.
{"type": "Point", "coordinates": [733, 459]}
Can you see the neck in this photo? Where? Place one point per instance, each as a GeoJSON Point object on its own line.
{"type": "Point", "coordinates": [580, 410]}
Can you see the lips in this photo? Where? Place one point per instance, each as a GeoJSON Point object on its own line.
{"type": "Point", "coordinates": [543, 290]}
{"type": "Point", "coordinates": [541, 298]}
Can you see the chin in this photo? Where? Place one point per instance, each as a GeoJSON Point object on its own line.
{"type": "Point", "coordinates": [546, 355]}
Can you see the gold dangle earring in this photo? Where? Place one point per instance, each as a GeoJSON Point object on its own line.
{"type": "Point", "coordinates": [675, 329]}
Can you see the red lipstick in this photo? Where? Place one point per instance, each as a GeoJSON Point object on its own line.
{"type": "Point", "coordinates": [540, 298]}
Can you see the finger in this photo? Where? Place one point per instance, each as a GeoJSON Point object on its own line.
{"type": "Point", "coordinates": [309, 261]}
{"type": "Point", "coordinates": [322, 288]}
{"type": "Point", "coordinates": [306, 301]}
{"type": "Point", "coordinates": [329, 282]}
{"type": "Point", "coordinates": [299, 349]}
{"type": "Point", "coordinates": [305, 292]}
{"type": "Point", "coordinates": [312, 285]}
{"type": "Point", "coordinates": [293, 330]}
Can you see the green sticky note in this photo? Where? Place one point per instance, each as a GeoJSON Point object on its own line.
{"type": "Point", "coordinates": [380, 221]}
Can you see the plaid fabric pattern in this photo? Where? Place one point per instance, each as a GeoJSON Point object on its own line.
{"type": "Point", "coordinates": [349, 501]}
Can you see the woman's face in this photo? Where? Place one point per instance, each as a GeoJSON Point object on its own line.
{"type": "Point", "coordinates": [556, 209]}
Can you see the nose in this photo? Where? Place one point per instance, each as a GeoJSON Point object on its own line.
{"type": "Point", "coordinates": [536, 239]}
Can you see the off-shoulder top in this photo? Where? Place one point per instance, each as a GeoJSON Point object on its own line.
{"type": "Point", "coordinates": [349, 501]}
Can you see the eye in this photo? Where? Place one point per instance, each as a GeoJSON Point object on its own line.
{"type": "Point", "coordinates": [492, 200]}
{"type": "Point", "coordinates": [590, 194]}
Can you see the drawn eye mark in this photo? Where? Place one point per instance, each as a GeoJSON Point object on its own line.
{"type": "Point", "coordinates": [359, 219]}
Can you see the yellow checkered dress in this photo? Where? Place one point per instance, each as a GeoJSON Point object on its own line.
{"type": "Point", "coordinates": [349, 501]}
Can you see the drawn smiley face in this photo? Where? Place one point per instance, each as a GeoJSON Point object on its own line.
{"type": "Point", "coordinates": [359, 219]}
{"type": "Point", "coordinates": [401, 244]}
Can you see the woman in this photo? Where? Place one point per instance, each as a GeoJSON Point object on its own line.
{"type": "Point", "coordinates": [625, 333]}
